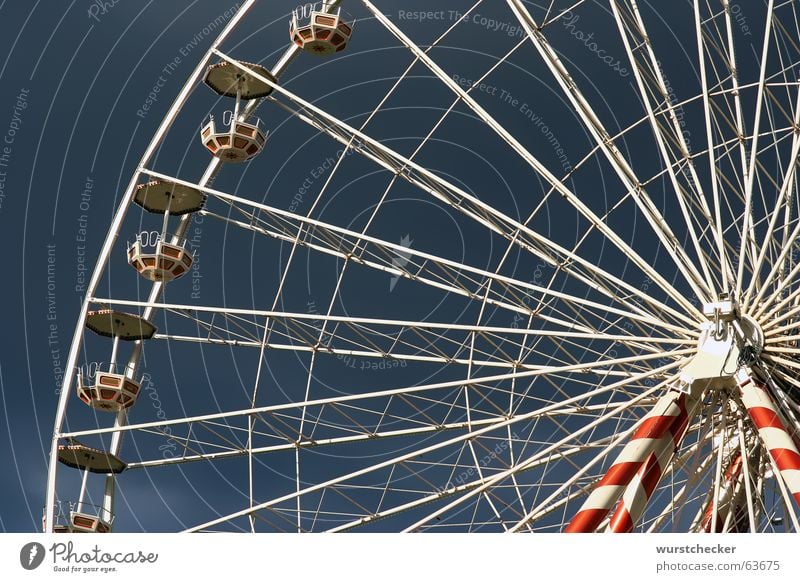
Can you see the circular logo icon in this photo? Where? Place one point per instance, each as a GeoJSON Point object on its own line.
{"type": "Point", "coordinates": [31, 555]}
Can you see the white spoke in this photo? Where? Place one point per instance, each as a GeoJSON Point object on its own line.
{"type": "Point", "coordinates": [470, 435]}
{"type": "Point", "coordinates": [752, 159]}
{"type": "Point", "coordinates": [614, 156]}
{"type": "Point", "coordinates": [445, 271]}
{"type": "Point", "coordinates": [461, 200]}
{"type": "Point", "coordinates": [659, 132]}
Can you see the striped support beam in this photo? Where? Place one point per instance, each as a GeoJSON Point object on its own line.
{"type": "Point", "coordinates": [656, 429]}
{"type": "Point", "coordinates": [638, 492]}
{"type": "Point", "coordinates": [730, 498]}
{"type": "Point", "coordinates": [772, 430]}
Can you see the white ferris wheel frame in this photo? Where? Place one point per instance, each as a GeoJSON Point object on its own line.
{"type": "Point", "coordinates": [678, 324]}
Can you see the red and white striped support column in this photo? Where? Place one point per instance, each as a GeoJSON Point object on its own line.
{"type": "Point", "coordinates": [666, 421]}
{"type": "Point", "coordinates": [771, 429]}
{"type": "Point", "coordinates": [641, 487]}
{"type": "Point", "coordinates": [730, 497]}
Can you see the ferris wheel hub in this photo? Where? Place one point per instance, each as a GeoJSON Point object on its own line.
{"type": "Point", "coordinates": [725, 311]}
{"type": "Point", "coordinates": [716, 360]}
{"type": "Point", "coordinates": [727, 341]}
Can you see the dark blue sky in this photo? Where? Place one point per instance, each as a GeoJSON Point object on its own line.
{"type": "Point", "coordinates": [77, 112]}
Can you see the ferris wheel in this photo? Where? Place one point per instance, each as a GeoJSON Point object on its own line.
{"type": "Point", "coordinates": [637, 373]}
